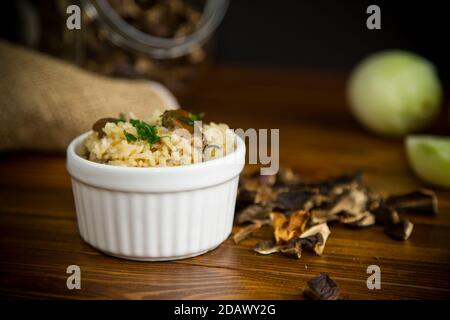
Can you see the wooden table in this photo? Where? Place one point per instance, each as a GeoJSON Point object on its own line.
{"type": "Point", "coordinates": [318, 137]}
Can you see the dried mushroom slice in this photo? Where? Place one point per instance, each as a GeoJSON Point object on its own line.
{"type": "Point", "coordinates": [253, 213]}
{"type": "Point", "coordinates": [286, 228]}
{"type": "Point", "coordinates": [321, 216]}
{"type": "Point", "coordinates": [313, 239]}
{"type": "Point", "coordinates": [267, 247]}
{"type": "Point", "coordinates": [340, 184]}
{"type": "Point", "coordinates": [180, 119]}
{"type": "Point", "coordinates": [420, 201]}
{"type": "Point", "coordinates": [375, 201]}
{"type": "Point", "coordinates": [279, 223]}
{"type": "Point", "coordinates": [318, 234]}
{"type": "Point", "coordinates": [293, 199]}
{"type": "Point", "coordinates": [287, 177]}
{"type": "Point", "coordinates": [247, 231]}
{"type": "Point", "coordinates": [322, 287]}
{"type": "Point", "coordinates": [317, 201]}
{"type": "Point", "coordinates": [386, 215]}
{"type": "Point", "coordinates": [293, 247]}
{"type": "Point", "coordinates": [347, 208]}
{"type": "Point", "coordinates": [354, 202]}
{"type": "Point", "coordinates": [260, 193]}
{"type": "Point", "coordinates": [296, 246]}
{"type": "Point", "coordinates": [310, 243]}
{"type": "Point", "coordinates": [266, 195]}
{"type": "Point", "coordinates": [401, 230]}
{"type": "Point", "coordinates": [356, 219]}
{"type": "Point", "coordinates": [362, 220]}
{"type": "Point", "coordinates": [100, 124]}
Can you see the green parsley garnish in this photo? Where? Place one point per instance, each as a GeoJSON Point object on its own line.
{"type": "Point", "coordinates": [129, 136]}
{"type": "Point", "coordinates": [145, 131]}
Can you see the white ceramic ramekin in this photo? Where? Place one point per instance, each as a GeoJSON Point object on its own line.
{"type": "Point", "coordinates": [161, 213]}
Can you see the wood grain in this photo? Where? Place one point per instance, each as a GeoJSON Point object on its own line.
{"type": "Point", "coordinates": [318, 138]}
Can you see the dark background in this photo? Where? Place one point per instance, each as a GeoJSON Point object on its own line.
{"type": "Point", "coordinates": [317, 34]}
{"type": "Point", "coordinates": [330, 34]}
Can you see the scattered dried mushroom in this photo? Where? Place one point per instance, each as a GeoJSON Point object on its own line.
{"type": "Point", "coordinates": [299, 211]}
{"type": "Point", "coordinates": [247, 231]}
{"type": "Point", "coordinates": [400, 230]}
{"type": "Point", "coordinates": [322, 287]}
{"type": "Point", "coordinates": [420, 201]}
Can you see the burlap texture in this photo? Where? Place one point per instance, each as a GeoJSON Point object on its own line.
{"type": "Point", "coordinates": [45, 102]}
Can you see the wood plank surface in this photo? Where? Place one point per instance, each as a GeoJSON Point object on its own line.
{"type": "Point", "coordinates": [318, 138]}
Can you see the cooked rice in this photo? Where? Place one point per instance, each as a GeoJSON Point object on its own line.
{"type": "Point", "coordinates": [174, 148]}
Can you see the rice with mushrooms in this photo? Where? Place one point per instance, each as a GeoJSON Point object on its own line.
{"type": "Point", "coordinates": [118, 144]}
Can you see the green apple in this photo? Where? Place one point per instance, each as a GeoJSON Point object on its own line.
{"type": "Point", "coordinates": [395, 92]}
{"type": "Point", "coordinates": [429, 157]}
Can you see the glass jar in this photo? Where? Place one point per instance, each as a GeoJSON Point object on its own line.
{"type": "Point", "coordinates": [165, 41]}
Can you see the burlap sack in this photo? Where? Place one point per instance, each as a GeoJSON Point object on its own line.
{"type": "Point", "coordinates": [45, 103]}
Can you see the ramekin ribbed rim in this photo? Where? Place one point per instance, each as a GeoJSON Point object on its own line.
{"type": "Point", "coordinates": [154, 179]}
{"type": "Point", "coordinates": [72, 145]}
